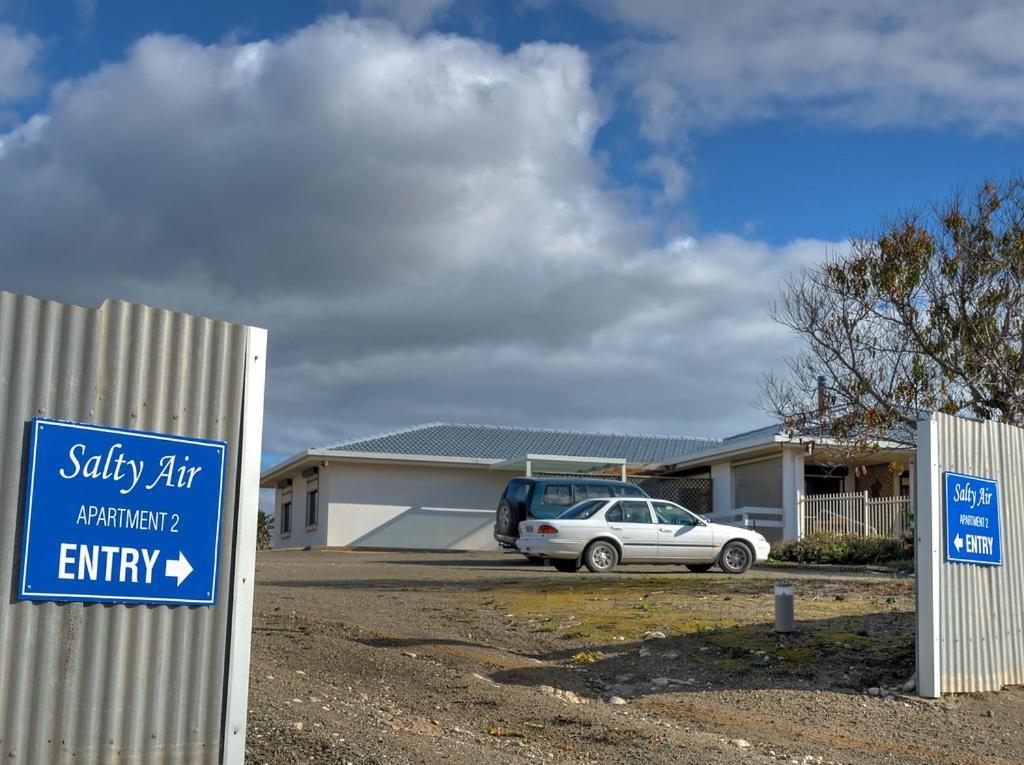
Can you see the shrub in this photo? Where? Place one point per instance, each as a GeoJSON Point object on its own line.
{"type": "Point", "coordinates": [262, 531]}
{"type": "Point", "coordinates": [842, 549]}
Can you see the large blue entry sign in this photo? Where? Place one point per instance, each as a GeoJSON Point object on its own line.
{"type": "Point", "coordinates": [121, 516]}
{"type": "Point", "coordinates": [972, 520]}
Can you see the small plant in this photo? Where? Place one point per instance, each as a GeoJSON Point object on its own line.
{"type": "Point", "coordinates": [646, 606]}
{"type": "Point", "coordinates": [585, 657]}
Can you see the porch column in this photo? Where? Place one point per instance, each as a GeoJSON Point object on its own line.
{"type": "Point", "coordinates": [529, 469]}
{"type": "Point", "coordinates": [623, 473]}
{"type": "Point", "coordinates": [721, 488]}
{"type": "Point", "coordinates": [792, 484]}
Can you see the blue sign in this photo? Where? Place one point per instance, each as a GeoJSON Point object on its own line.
{"type": "Point", "coordinates": [121, 516]}
{"type": "Point", "coordinates": [972, 520]}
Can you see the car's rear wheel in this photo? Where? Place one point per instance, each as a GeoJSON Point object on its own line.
{"type": "Point", "coordinates": [601, 556]}
{"type": "Point", "coordinates": [736, 558]}
{"type": "Point", "coordinates": [699, 568]}
{"type": "Point", "coordinates": [535, 560]}
{"type": "Point", "coordinates": [566, 566]}
{"type": "Point", "coordinates": [506, 520]}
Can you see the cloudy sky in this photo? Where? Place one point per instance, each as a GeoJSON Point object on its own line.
{"type": "Point", "coordinates": [561, 214]}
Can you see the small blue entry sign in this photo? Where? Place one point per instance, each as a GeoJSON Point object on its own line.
{"type": "Point", "coordinates": [121, 516]}
{"type": "Point", "coordinates": [972, 520]}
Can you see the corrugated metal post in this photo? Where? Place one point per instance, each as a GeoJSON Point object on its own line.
{"type": "Point", "coordinates": [927, 561]}
{"type": "Point", "coordinates": [109, 682]}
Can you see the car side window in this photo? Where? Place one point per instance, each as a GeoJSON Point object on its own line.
{"type": "Point", "coordinates": [675, 516]}
{"type": "Point", "coordinates": [558, 494]}
{"type": "Point", "coordinates": [614, 515]}
{"type": "Point", "coordinates": [579, 492]}
{"type": "Point", "coordinates": [635, 512]}
{"type": "Point", "coordinates": [597, 491]}
{"type": "Point", "coordinates": [516, 491]}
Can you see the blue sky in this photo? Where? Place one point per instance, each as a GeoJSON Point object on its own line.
{"type": "Point", "coordinates": [780, 177]}
{"type": "Point", "coordinates": [606, 193]}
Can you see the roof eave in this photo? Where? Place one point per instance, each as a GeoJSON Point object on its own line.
{"type": "Point", "coordinates": [725, 452]}
{"type": "Point", "coordinates": [270, 477]}
{"type": "Point", "coordinates": [764, 446]}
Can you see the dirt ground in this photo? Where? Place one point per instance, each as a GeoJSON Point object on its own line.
{"type": "Point", "coordinates": [481, 658]}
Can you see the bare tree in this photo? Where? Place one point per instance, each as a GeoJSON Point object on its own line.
{"type": "Point", "coordinates": [927, 316]}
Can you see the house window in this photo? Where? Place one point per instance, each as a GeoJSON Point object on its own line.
{"type": "Point", "coordinates": [312, 500]}
{"type": "Point", "coordinates": [286, 518]}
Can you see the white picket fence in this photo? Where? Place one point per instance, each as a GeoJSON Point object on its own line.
{"type": "Point", "coordinates": [854, 513]}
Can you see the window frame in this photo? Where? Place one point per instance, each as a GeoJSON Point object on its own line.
{"type": "Point", "coordinates": [646, 503]}
{"type": "Point", "coordinates": [312, 508]}
{"type": "Point", "coordinates": [694, 518]}
{"type": "Point", "coordinates": [286, 518]}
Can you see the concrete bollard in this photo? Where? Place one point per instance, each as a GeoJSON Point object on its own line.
{"type": "Point", "coordinates": [784, 607]}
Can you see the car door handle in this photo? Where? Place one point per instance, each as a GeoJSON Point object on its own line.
{"type": "Point", "coordinates": [667, 531]}
{"type": "Point", "coordinates": [615, 528]}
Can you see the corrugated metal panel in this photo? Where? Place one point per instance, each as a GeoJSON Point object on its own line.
{"type": "Point", "coordinates": [980, 625]}
{"type": "Point", "coordinates": [113, 683]}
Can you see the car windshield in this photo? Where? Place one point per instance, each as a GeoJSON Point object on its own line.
{"type": "Point", "coordinates": [583, 510]}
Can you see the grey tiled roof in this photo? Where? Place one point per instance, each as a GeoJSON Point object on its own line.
{"type": "Point", "coordinates": [755, 435]}
{"type": "Point", "coordinates": [500, 442]}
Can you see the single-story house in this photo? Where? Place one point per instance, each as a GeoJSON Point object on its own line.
{"type": "Point", "coordinates": [436, 486]}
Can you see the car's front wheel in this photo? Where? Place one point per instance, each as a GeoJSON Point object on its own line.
{"type": "Point", "coordinates": [736, 558]}
{"type": "Point", "coordinates": [566, 566]}
{"type": "Point", "coordinates": [699, 568]}
{"type": "Point", "coordinates": [601, 556]}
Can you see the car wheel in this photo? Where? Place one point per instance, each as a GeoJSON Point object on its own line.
{"type": "Point", "coordinates": [601, 556]}
{"type": "Point", "coordinates": [699, 568]}
{"type": "Point", "coordinates": [735, 558]}
{"type": "Point", "coordinates": [566, 566]}
{"type": "Point", "coordinates": [535, 560]}
{"type": "Point", "coordinates": [507, 520]}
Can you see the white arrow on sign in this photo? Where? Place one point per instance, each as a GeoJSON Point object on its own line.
{"type": "Point", "coordinates": [179, 568]}
{"type": "Point", "coordinates": [958, 543]}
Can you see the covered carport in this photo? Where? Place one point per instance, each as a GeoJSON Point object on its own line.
{"type": "Point", "coordinates": [530, 465]}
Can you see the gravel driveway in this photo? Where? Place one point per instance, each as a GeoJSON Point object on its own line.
{"type": "Point", "coordinates": [480, 658]}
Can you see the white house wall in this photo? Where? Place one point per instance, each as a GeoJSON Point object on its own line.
{"type": "Point", "coordinates": [409, 506]}
{"type": "Point", "coordinates": [301, 535]}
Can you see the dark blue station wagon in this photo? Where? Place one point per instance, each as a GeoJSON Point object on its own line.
{"type": "Point", "coordinates": [545, 498]}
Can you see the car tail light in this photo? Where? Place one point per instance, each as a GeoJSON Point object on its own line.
{"type": "Point", "coordinates": [546, 528]}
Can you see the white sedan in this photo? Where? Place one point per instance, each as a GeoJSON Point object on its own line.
{"type": "Point", "coordinates": [601, 533]}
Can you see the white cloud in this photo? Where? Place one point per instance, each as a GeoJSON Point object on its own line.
{"type": "Point", "coordinates": [19, 55]}
{"type": "Point", "coordinates": [419, 221]}
{"type": "Point", "coordinates": [674, 177]}
{"type": "Point", "coordinates": [410, 15]}
{"type": "Point", "coordinates": [867, 64]}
